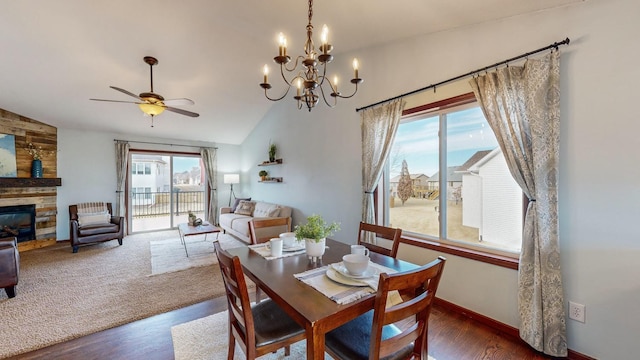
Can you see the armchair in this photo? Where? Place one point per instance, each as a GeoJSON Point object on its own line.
{"type": "Point", "coordinates": [94, 222]}
{"type": "Point", "coordinates": [9, 265]}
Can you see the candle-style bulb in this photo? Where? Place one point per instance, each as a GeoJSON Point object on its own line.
{"type": "Point", "coordinates": [355, 67]}
{"type": "Point", "coordinates": [266, 73]}
{"type": "Point", "coordinates": [335, 84]}
{"type": "Point", "coordinates": [299, 85]}
{"type": "Point", "coordinates": [325, 34]}
{"type": "Point", "coordinates": [282, 48]}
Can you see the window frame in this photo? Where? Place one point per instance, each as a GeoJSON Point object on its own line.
{"type": "Point", "coordinates": [381, 204]}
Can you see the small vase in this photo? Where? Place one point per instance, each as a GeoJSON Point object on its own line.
{"type": "Point", "coordinates": [36, 169]}
{"type": "Point", "coordinates": [314, 249]}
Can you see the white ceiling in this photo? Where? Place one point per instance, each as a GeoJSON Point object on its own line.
{"type": "Point", "coordinates": [55, 55]}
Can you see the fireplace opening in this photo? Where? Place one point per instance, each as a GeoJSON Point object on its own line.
{"type": "Point", "coordinates": [18, 221]}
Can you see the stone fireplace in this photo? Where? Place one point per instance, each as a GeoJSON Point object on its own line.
{"type": "Point", "coordinates": [18, 221]}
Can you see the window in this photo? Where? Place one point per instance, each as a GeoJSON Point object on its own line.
{"type": "Point", "coordinates": [141, 169]}
{"type": "Point", "coordinates": [480, 205]}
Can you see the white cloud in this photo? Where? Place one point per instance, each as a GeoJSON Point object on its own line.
{"type": "Point", "coordinates": [8, 162]}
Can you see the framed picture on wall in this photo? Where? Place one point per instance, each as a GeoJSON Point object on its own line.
{"type": "Point", "coordinates": [8, 155]}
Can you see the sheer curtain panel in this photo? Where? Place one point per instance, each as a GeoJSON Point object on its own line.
{"type": "Point", "coordinates": [379, 126]}
{"type": "Point", "coordinates": [122, 158]}
{"type": "Point", "coordinates": [210, 161]}
{"type": "Point", "coordinates": [522, 106]}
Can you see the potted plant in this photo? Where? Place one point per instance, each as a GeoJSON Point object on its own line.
{"type": "Point", "coordinates": [272, 152]}
{"type": "Point", "coordinates": [263, 174]}
{"type": "Point", "coordinates": [192, 217]}
{"type": "Point", "coordinates": [314, 233]}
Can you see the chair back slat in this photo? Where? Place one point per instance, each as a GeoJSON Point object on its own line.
{"type": "Point", "coordinates": [240, 315]}
{"type": "Point", "coordinates": [368, 233]}
{"type": "Point", "coordinates": [418, 288]}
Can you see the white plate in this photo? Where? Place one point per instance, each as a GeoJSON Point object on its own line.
{"type": "Point", "coordinates": [335, 276]}
{"type": "Point", "coordinates": [293, 248]}
{"type": "Point", "coordinates": [342, 270]}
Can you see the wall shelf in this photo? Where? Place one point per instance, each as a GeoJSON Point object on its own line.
{"type": "Point", "coordinates": [267, 163]}
{"type": "Point", "coordinates": [272, 180]}
{"type": "Point", "coordinates": [29, 182]}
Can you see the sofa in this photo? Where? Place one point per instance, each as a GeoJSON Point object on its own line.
{"type": "Point", "coordinates": [94, 225]}
{"type": "Point", "coordinates": [9, 265]}
{"type": "Point", "coordinates": [235, 220]}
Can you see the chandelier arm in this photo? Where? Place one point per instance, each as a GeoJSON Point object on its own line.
{"type": "Point", "coordinates": [277, 99]}
{"type": "Point", "coordinates": [324, 98]}
{"type": "Point", "coordinates": [293, 68]}
{"type": "Point", "coordinates": [348, 96]}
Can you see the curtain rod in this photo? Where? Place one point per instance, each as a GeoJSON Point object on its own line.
{"type": "Point", "coordinates": [504, 62]}
{"type": "Point", "coordinates": [156, 143]}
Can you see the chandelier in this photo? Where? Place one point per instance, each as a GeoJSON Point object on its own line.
{"type": "Point", "coordinates": [309, 80]}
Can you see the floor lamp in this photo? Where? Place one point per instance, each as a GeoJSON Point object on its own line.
{"type": "Point", "coordinates": [231, 179]}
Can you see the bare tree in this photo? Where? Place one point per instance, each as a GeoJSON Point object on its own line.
{"type": "Point", "coordinates": [395, 159]}
{"type": "Point", "coordinates": [405, 186]}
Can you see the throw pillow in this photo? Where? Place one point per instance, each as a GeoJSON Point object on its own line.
{"type": "Point", "coordinates": [94, 219]}
{"type": "Point", "coordinates": [245, 207]}
{"type": "Point", "coordinates": [235, 204]}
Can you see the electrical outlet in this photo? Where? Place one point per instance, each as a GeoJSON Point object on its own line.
{"type": "Point", "coordinates": [576, 311]}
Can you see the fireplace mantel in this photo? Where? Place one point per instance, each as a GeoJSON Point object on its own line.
{"type": "Point", "coordinates": [29, 182]}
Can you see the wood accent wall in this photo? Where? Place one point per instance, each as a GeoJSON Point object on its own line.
{"type": "Point", "coordinates": [39, 134]}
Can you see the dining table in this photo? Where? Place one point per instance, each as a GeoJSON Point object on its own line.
{"type": "Point", "coordinates": [317, 313]}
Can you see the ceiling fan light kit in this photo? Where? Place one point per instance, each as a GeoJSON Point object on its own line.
{"type": "Point", "coordinates": [150, 103]}
{"type": "Point", "coordinates": [309, 80]}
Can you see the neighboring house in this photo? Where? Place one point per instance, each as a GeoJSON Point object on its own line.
{"type": "Point", "coordinates": [149, 176]}
{"type": "Point", "coordinates": [492, 199]}
{"type": "Point", "coordinates": [454, 182]}
{"type": "Point", "coordinates": [418, 182]}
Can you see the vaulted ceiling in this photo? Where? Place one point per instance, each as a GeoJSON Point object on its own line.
{"type": "Point", "coordinates": [55, 55]}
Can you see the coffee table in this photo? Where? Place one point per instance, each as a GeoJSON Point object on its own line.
{"type": "Point", "coordinates": [185, 230]}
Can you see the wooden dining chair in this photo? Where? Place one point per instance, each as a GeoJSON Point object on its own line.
{"type": "Point", "coordinates": [391, 331]}
{"type": "Point", "coordinates": [383, 232]}
{"type": "Point", "coordinates": [261, 230]}
{"type": "Point", "coordinates": [261, 329]}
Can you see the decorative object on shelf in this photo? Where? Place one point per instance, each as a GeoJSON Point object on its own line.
{"type": "Point", "coordinates": [8, 166]}
{"type": "Point", "coordinates": [36, 168]}
{"type": "Point", "coordinates": [37, 153]}
{"type": "Point", "coordinates": [231, 179]}
{"type": "Point", "coordinates": [270, 179]}
{"type": "Point", "coordinates": [263, 175]}
{"type": "Point", "coordinates": [309, 80]}
{"type": "Point", "coordinates": [314, 233]}
{"type": "Point", "coordinates": [272, 152]}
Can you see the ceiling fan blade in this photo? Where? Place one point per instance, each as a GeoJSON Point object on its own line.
{"type": "Point", "coordinates": [118, 101]}
{"type": "Point", "coordinates": [181, 112]}
{"type": "Point", "coordinates": [126, 92]}
{"type": "Point", "coordinates": [179, 102]}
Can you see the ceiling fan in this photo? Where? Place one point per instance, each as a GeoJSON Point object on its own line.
{"type": "Point", "coordinates": [152, 103]}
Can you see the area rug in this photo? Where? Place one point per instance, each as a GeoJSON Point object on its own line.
{"type": "Point", "coordinates": [207, 339]}
{"type": "Point", "coordinates": [168, 255]}
{"type": "Point", "coordinates": [61, 295]}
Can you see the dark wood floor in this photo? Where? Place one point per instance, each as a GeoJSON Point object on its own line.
{"type": "Point", "coordinates": [451, 336]}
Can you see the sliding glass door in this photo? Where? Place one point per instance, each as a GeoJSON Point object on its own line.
{"type": "Point", "coordinates": [163, 188]}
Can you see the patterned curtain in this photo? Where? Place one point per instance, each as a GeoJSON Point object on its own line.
{"type": "Point", "coordinates": [122, 157]}
{"type": "Point", "coordinates": [379, 126]}
{"type": "Point", "coordinates": [522, 106]}
{"type": "Point", "coordinates": [210, 161]}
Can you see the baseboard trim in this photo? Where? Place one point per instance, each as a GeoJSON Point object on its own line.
{"type": "Point", "coordinates": [499, 326]}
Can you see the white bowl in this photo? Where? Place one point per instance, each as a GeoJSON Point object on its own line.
{"type": "Point", "coordinates": [356, 264]}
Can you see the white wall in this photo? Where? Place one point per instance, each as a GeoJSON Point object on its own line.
{"type": "Point", "coordinates": [86, 164]}
{"type": "Point", "coordinates": [599, 191]}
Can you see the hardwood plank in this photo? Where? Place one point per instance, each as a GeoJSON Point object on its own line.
{"type": "Point", "coordinates": [452, 335]}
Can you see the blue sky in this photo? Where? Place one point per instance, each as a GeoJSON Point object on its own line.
{"type": "Point", "coordinates": [181, 164]}
{"type": "Point", "coordinates": [417, 141]}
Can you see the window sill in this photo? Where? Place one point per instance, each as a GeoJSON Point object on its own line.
{"type": "Point", "coordinates": [478, 255]}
